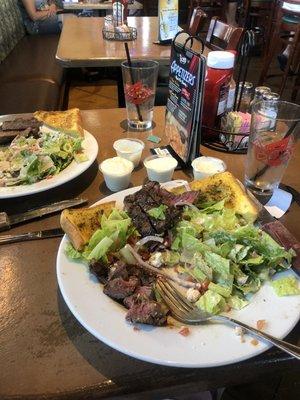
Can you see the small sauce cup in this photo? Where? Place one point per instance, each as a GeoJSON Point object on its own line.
{"type": "Point", "coordinates": [207, 166]}
{"type": "Point", "coordinates": [117, 173]}
{"type": "Point", "coordinates": [129, 148]}
{"type": "Point", "coordinates": [160, 168]}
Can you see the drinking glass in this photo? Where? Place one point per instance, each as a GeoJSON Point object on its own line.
{"type": "Point", "coordinates": [274, 129]}
{"type": "Point", "coordinates": [139, 81]}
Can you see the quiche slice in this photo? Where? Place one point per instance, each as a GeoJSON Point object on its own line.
{"type": "Point", "coordinates": [68, 121]}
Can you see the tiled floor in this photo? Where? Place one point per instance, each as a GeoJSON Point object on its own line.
{"type": "Point", "coordinates": [102, 94]}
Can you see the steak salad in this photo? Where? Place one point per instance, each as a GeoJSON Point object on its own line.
{"type": "Point", "coordinates": [217, 257]}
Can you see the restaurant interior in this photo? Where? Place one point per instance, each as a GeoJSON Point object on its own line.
{"type": "Point", "coordinates": [149, 199]}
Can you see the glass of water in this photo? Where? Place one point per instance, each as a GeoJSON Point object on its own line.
{"type": "Point", "coordinates": [275, 126]}
{"type": "Point", "coordinates": [139, 81]}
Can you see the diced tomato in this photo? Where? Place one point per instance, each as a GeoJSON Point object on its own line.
{"type": "Point", "coordinates": [184, 331]}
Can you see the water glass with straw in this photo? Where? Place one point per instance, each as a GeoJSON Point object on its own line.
{"type": "Point", "coordinates": [275, 126]}
{"type": "Point", "coordinates": [139, 79]}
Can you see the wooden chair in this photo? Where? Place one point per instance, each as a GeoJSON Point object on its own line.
{"type": "Point", "coordinates": [221, 36]}
{"type": "Point", "coordinates": [286, 31]}
{"type": "Point", "coordinates": [196, 22]}
{"type": "Point", "coordinates": [210, 7]}
{"type": "Point", "coordinates": [259, 13]}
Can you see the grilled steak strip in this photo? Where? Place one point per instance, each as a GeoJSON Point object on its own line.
{"type": "Point", "coordinates": [20, 124]}
{"type": "Point", "coordinates": [149, 312]}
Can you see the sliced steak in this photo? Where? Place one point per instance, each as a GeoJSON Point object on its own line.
{"type": "Point", "coordinates": [149, 312]}
{"type": "Point", "coordinates": [118, 270]}
{"type": "Point", "coordinates": [20, 124]}
{"type": "Point", "coordinates": [141, 221]}
{"type": "Point", "coordinates": [100, 269]}
{"type": "Point", "coordinates": [119, 288]}
{"type": "Point", "coordinates": [172, 199]}
{"type": "Point", "coordinates": [142, 294]}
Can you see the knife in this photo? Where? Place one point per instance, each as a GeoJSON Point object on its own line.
{"type": "Point", "coordinates": [278, 232]}
{"type": "Point", "coordinates": [24, 237]}
{"type": "Point", "coordinates": [7, 220]}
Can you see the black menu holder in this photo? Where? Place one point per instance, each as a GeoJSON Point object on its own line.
{"type": "Point", "coordinates": [184, 105]}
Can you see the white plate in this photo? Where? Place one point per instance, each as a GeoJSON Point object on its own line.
{"type": "Point", "coordinates": [90, 148]}
{"type": "Point", "coordinates": [207, 345]}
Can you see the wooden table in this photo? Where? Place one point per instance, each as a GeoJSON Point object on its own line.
{"type": "Point", "coordinates": [45, 353]}
{"type": "Point", "coordinates": [89, 5]}
{"type": "Point", "coordinates": [81, 43]}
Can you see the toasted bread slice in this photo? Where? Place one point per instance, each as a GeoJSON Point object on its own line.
{"type": "Point", "coordinates": [217, 187]}
{"type": "Point", "coordinates": [68, 122]}
{"type": "Point", "coordinates": [80, 223]}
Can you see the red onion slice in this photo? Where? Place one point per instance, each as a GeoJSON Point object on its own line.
{"type": "Point", "coordinates": [158, 272]}
{"type": "Point", "coordinates": [147, 239]}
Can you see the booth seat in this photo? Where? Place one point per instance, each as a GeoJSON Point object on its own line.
{"type": "Point", "coordinates": [30, 78]}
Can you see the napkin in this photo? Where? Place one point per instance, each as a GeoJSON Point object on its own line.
{"type": "Point", "coordinates": [279, 203]}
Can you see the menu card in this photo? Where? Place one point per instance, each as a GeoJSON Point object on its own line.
{"type": "Point", "coordinates": [184, 106]}
{"type": "Point", "coordinates": [167, 19]}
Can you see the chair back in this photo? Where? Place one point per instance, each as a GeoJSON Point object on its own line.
{"type": "Point", "coordinates": [197, 20]}
{"type": "Point", "coordinates": [211, 7]}
{"type": "Point", "coordinates": [221, 36]}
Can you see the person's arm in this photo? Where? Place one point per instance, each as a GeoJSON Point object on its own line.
{"type": "Point", "coordinates": [35, 14]}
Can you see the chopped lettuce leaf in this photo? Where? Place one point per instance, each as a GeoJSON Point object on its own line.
{"type": "Point", "coordinates": [251, 286]}
{"type": "Point", "coordinates": [211, 302]}
{"type": "Point", "coordinates": [238, 252]}
{"type": "Point", "coordinates": [237, 302]}
{"type": "Point", "coordinates": [98, 235]}
{"type": "Point", "coordinates": [286, 286]}
{"type": "Point", "coordinates": [158, 212]}
{"type": "Point", "coordinates": [218, 264]}
{"type": "Point", "coordinates": [200, 265]}
{"type": "Point", "coordinates": [100, 249]}
{"type": "Point", "coordinates": [170, 258]}
{"type": "Point", "coordinates": [73, 253]}
{"type": "Point", "coordinates": [127, 256]}
{"type": "Point", "coordinates": [239, 276]}
{"type": "Point", "coordinates": [224, 291]}
{"type": "Point", "coordinates": [197, 274]}
{"type": "Point", "coordinates": [80, 157]}
{"type": "Point", "coordinates": [253, 261]}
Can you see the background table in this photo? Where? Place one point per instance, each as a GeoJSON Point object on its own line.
{"type": "Point", "coordinates": [88, 5]}
{"type": "Point", "coordinates": [45, 353]}
{"type": "Point", "coordinates": [81, 43]}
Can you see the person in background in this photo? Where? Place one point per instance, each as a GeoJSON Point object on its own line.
{"type": "Point", "coordinates": [40, 16]}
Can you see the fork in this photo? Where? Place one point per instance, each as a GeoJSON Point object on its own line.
{"type": "Point", "coordinates": [186, 312]}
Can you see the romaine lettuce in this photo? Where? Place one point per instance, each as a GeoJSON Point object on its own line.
{"type": "Point", "coordinates": [237, 302]}
{"type": "Point", "coordinates": [211, 302]}
{"type": "Point", "coordinates": [286, 286]}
